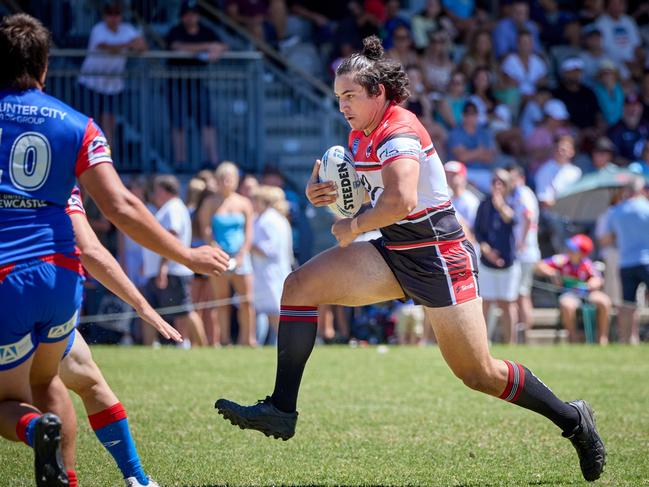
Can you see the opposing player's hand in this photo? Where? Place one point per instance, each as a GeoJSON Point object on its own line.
{"type": "Point", "coordinates": [208, 260]}
{"type": "Point", "coordinates": [342, 230]}
{"type": "Point", "coordinates": [150, 316]}
{"type": "Point", "coordinates": [320, 194]}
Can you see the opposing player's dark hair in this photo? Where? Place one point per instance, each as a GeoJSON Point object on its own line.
{"type": "Point", "coordinates": [24, 49]}
{"type": "Point", "coordinates": [371, 69]}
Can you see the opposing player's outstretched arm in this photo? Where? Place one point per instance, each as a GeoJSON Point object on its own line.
{"type": "Point", "coordinates": [103, 266]}
{"type": "Point", "coordinates": [130, 215]}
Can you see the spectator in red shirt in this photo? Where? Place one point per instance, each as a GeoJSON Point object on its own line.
{"type": "Point", "coordinates": [580, 282]}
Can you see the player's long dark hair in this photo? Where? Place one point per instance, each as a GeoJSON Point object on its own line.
{"type": "Point", "coordinates": [24, 48]}
{"type": "Point", "coordinates": [370, 69]}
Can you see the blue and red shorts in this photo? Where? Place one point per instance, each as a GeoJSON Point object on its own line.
{"type": "Point", "coordinates": [39, 303]}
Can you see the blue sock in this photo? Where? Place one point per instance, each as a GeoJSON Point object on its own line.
{"type": "Point", "coordinates": [25, 428]}
{"type": "Point", "coordinates": [111, 428]}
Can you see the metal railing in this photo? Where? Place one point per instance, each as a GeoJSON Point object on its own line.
{"type": "Point", "coordinates": [166, 117]}
{"type": "Point", "coordinates": [161, 115]}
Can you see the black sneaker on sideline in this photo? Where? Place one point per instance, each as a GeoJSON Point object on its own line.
{"type": "Point", "coordinates": [587, 442]}
{"type": "Point", "coordinates": [48, 464]}
{"type": "Point", "coordinates": [263, 416]}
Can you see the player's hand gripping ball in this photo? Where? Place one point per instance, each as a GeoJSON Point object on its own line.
{"type": "Point", "coordinates": [338, 166]}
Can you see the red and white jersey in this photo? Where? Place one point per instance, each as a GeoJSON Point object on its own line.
{"type": "Point", "coordinates": [400, 135]}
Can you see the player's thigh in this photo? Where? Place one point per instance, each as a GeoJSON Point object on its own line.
{"type": "Point", "coordinates": [14, 382]}
{"type": "Point", "coordinates": [47, 359]}
{"type": "Point", "coordinates": [78, 369]}
{"type": "Point", "coordinates": [352, 276]}
{"type": "Point", "coordinates": [461, 334]}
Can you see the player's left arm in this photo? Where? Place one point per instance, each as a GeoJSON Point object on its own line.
{"type": "Point", "coordinates": [103, 266]}
{"type": "Point", "coordinates": [398, 199]}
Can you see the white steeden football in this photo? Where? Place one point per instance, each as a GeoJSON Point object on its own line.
{"type": "Point", "coordinates": [338, 166]}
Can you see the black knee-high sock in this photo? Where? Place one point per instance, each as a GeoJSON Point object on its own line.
{"type": "Point", "coordinates": [297, 331]}
{"type": "Point", "coordinates": [526, 390]}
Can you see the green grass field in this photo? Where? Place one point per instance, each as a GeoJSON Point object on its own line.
{"type": "Point", "coordinates": [366, 418]}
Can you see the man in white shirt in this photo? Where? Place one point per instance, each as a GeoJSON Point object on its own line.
{"type": "Point", "coordinates": [619, 32]}
{"type": "Point", "coordinates": [168, 282]}
{"type": "Point", "coordinates": [526, 231]}
{"type": "Point", "coordinates": [557, 174]}
{"type": "Point", "coordinates": [103, 68]}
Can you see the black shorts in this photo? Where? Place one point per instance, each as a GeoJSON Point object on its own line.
{"type": "Point", "coordinates": [94, 104]}
{"type": "Point", "coordinates": [189, 99]}
{"type": "Point", "coordinates": [631, 278]}
{"type": "Point", "coordinates": [435, 276]}
{"type": "Point", "coordinates": [177, 293]}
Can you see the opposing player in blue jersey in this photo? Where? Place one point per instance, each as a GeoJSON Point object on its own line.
{"type": "Point", "coordinates": [79, 371]}
{"type": "Point", "coordinates": [44, 146]}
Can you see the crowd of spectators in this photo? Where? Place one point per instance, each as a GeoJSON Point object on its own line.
{"type": "Point", "coordinates": [531, 99]}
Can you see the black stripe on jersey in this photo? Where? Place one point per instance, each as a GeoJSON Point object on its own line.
{"type": "Point", "coordinates": [367, 167]}
{"type": "Point", "coordinates": [441, 226]}
{"type": "Point", "coordinates": [428, 211]}
{"type": "Point", "coordinates": [396, 136]}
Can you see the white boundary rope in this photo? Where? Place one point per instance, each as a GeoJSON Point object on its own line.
{"type": "Point", "coordinates": [107, 317]}
{"type": "Point", "coordinates": [167, 310]}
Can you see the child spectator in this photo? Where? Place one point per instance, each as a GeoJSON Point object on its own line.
{"type": "Point", "coordinates": [580, 282]}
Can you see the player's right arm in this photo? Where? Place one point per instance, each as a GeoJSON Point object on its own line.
{"type": "Point", "coordinates": [103, 266]}
{"type": "Point", "coordinates": [130, 215]}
